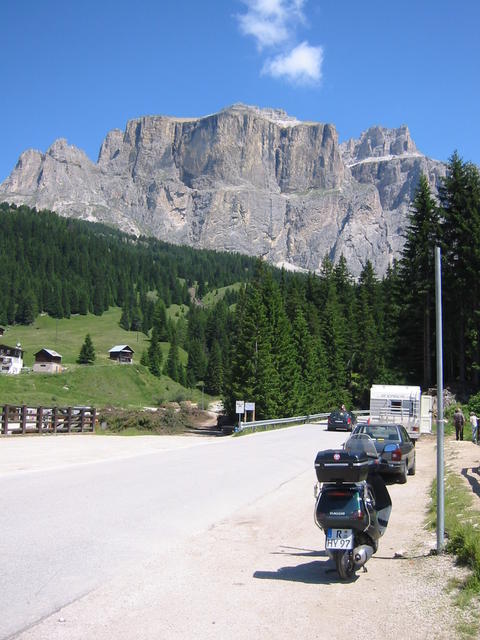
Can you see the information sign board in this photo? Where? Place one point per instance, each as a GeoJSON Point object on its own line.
{"type": "Point", "coordinates": [239, 406]}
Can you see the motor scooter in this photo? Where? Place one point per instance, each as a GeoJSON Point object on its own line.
{"type": "Point", "coordinates": [352, 503]}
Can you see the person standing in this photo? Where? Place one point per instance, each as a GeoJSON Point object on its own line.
{"type": "Point", "coordinates": [458, 421]}
{"type": "Point", "coordinates": [474, 423]}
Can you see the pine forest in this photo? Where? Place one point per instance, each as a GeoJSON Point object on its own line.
{"type": "Point", "coordinates": [293, 343]}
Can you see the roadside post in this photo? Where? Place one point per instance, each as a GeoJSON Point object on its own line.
{"type": "Point", "coordinates": [440, 420]}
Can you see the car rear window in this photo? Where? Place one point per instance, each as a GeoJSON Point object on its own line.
{"type": "Point", "coordinates": [382, 433]}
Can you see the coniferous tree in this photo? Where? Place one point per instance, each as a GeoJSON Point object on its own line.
{"type": "Point", "coordinates": [196, 363]}
{"type": "Point", "coordinates": [125, 319]}
{"type": "Point", "coordinates": [214, 371]}
{"type": "Point", "coordinates": [460, 209]}
{"type": "Point", "coordinates": [369, 357]}
{"type": "Point", "coordinates": [159, 321]}
{"type": "Point", "coordinates": [253, 376]}
{"type": "Point", "coordinates": [336, 352]}
{"type": "Point", "coordinates": [136, 320]}
{"type": "Point", "coordinates": [154, 356]}
{"type": "Point", "coordinates": [417, 273]}
{"type": "Point", "coordinates": [11, 306]}
{"type": "Point", "coordinates": [172, 365]}
{"type": "Point", "coordinates": [26, 309]}
{"type": "Point", "coordinates": [87, 352]}
{"type": "Point", "coordinates": [308, 390]}
{"type": "Point", "coordinates": [83, 303]}
{"type": "Point", "coordinates": [3, 311]}
{"type": "Point", "coordinates": [284, 357]}
{"type": "Point", "coordinates": [182, 375]}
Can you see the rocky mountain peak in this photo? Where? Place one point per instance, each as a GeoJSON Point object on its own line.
{"type": "Point", "coordinates": [245, 179]}
{"type": "Point", "coordinates": [61, 151]}
{"type": "Point", "coordinates": [377, 143]}
{"type": "Point", "coordinates": [276, 116]}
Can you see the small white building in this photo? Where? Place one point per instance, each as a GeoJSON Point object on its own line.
{"type": "Point", "coordinates": [48, 361]}
{"type": "Point", "coordinates": [11, 359]}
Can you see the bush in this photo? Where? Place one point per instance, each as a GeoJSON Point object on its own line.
{"type": "Point", "coordinates": [163, 421]}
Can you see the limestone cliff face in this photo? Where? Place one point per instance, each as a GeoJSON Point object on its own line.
{"type": "Point", "coordinates": [244, 179]}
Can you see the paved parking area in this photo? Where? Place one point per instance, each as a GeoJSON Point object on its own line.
{"type": "Point", "coordinates": [20, 454]}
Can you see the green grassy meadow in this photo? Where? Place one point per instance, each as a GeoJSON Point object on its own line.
{"type": "Point", "coordinates": [102, 384]}
{"type": "Point", "coordinates": [212, 297]}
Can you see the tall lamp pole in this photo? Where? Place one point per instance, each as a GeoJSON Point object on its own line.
{"type": "Point", "coordinates": [440, 420]}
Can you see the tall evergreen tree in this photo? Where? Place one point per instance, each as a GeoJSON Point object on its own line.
{"type": "Point", "coordinates": [336, 351]}
{"type": "Point", "coordinates": [87, 352]}
{"type": "Point", "coordinates": [154, 356]}
{"type": "Point", "coordinates": [172, 365]}
{"type": "Point", "coordinates": [253, 376]}
{"type": "Point", "coordinates": [196, 363]}
{"type": "Point", "coordinates": [284, 357]}
{"type": "Point", "coordinates": [417, 273]}
{"type": "Point", "coordinates": [159, 321]}
{"type": "Point", "coordinates": [214, 371]}
{"type": "Point", "coordinates": [460, 202]}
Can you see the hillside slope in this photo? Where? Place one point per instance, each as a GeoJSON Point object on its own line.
{"type": "Point", "coordinates": [104, 383]}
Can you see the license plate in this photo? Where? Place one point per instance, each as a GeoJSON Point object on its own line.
{"type": "Point", "coordinates": [339, 539]}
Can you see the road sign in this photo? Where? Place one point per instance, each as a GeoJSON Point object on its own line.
{"type": "Point", "coordinates": [249, 406]}
{"type": "Point", "coordinates": [239, 406]}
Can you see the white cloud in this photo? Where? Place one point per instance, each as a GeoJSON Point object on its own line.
{"type": "Point", "coordinates": [273, 25]}
{"type": "Point", "coordinates": [302, 65]}
{"type": "Point", "coordinates": [271, 22]}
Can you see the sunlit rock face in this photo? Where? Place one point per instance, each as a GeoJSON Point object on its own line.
{"type": "Point", "coordinates": [251, 180]}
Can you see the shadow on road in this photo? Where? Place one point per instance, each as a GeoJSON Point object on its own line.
{"type": "Point", "coordinates": [310, 573]}
{"type": "Point", "coordinates": [316, 572]}
{"type": "Point", "coordinates": [296, 551]}
{"type": "Point", "coordinates": [474, 482]}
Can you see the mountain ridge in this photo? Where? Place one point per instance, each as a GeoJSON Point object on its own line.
{"type": "Point", "coordinates": [245, 179]}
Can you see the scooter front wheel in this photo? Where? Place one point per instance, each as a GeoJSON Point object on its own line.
{"type": "Point", "coordinates": [344, 564]}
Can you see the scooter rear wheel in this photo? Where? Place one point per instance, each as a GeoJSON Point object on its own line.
{"type": "Point", "coordinates": [344, 564]}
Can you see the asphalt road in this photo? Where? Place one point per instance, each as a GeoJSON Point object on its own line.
{"type": "Point", "coordinates": [66, 531]}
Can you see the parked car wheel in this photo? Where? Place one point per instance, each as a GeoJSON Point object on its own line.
{"type": "Point", "coordinates": [402, 478]}
{"type": "Point", "coordinates": [412, 470]}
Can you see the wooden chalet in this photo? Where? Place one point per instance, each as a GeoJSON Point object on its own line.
{"type": "Point", "coordinates": [48, 361]}
{"type": "Point", "coordinates": [122, 353]}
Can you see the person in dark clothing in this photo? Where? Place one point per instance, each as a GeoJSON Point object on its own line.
{"type": "Point", "coordinates": [458, 421]}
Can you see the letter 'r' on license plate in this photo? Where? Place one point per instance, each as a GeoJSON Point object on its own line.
{"type": "Point", "coordinates": [339, 539]}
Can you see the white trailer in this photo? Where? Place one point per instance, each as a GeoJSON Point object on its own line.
{"type": "Point", "coordinates": [401, 404]}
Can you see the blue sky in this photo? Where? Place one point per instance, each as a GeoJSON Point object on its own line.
{"type": "Point", "coordinates": [76, 69]}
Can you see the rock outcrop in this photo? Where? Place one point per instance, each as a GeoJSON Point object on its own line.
{"type": "Point", "coordinates": [244, 179]}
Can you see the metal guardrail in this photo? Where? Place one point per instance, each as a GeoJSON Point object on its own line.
{"type": "Point", "coordinates": [314, 417]}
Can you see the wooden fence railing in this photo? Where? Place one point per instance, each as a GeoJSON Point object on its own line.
{"type": "Point", "coordinates": [25, 420]}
